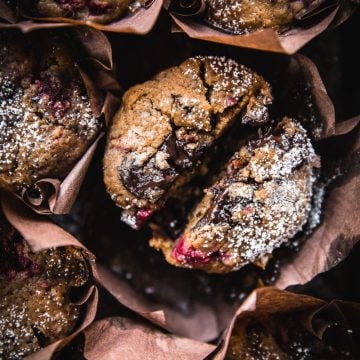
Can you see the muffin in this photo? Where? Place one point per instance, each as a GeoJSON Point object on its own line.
{"type": "Point", "coordinates": [167, 125]}
{"type": "Point", "coordinates": [282, 337]}
{"type": "Point", "coordinates": [241, 17]}
{"type": "Point", "coordinates": [35, 288]}
{"type": "Point", "coordinates": [260, 200]}
{"type": "Point", "coordinates": [99, 11]}
{"type": "Point", "coordinates": [46, 119]}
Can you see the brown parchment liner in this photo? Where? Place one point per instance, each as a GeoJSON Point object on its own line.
{"type": "Point", "coordinates": [96, 69]}
{"type": "Point", "coordinates": [288, 42]}
{"type": "Point", "coordinates": [328, 248]}
{"type": "Point", "coordinates": [42, 234]}
{"type": "Point", "coordinates": [203, 325]}
{"type": "Point", "coordinates": [314, 313]}
{"type": "Point", "coordinates": [339, 229]}
{"type": "Point", "coordinates": [140, 22]}
{"type": "Point", "coordinates": [124, 338]}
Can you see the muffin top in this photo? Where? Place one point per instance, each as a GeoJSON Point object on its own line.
{"type": "Point", "coordinates": [261, 199]}
{"type": "Point", "coordinates": [241, 17]}
{"type": "Point", "coordinates": [281, 336]}
{"type": "Point", "coordinates": [100, 11]}
{"type": "Point", "coordinates": [165, 126]}
{"type": "Point", "coordinates": [35, 306]}
{"type": "Point", "coordinates": [46, 120]}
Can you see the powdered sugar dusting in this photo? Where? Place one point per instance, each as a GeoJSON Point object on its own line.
{"type": "Point", "coordinates": [167, 125]}
{"type": "Point", "coordinates": [242, 17]}
{"type": "Point", "coordinates": [283, 336]}
{"type": "Point", "coordinates": [35, 308]}
{"type": "Point", "coordinates": [264, 200]}
{"type": "Point", "coordinates": [233, 80]}
{"type": "Point", "coordinates": [34, 115]}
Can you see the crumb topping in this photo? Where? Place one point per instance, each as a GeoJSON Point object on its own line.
{"type": "Point", "coordinates": [167, 124]}
{"type": "Point", "coordinates": [242, 17]}
{"type": "Point", "coordinates": [35, 306]}
{"type": "Point", "coordinates": [262, 199]}
{"type": "Point", "coordinates": [100, 11]}
{"type": "Point", "coordinates": [40, 115]}
{"type": "Point", "coordinates": [281, 337]}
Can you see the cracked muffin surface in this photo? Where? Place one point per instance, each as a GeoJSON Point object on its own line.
{"type": "Point", "coordinates": [166, 125]}
{"type": "Point", "coordinates": [35, 306]}
{"type": "Point", "coordinates": [100, 11]}
{"type": "Point", "coordinates": [282, 337]}
{"type": "Point", "coordinates": [241, 17]}
{"type": "Point", "coordinates": [261, 200]}
{"type": "Point", "coordinates": [46, 120]}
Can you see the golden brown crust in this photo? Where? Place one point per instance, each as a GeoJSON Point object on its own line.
{"type": "Point", "coordinates": [35, 305]}
{"type": "Point", "coordinates": [241, 17]}
{"type": "Point", "coordinates": [246, 345]}
{"type": "Point", "coordinates": [99, 11]}
{"type": "Point", "coordinates": [166, 124]}
{"type": "Point", "coordinates": [262, 199]}
{"type": "Point", "coordinates": [282, 336]}
{"type": "Point", "coordinates": [45, 116]}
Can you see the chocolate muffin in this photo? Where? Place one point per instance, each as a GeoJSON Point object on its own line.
{"type": "Point", "coordinates": [282, 337]}
{"type": "Point", "coordinates": [167, 125]}
{"type": "Point", "coordinates": [35, 306]}
{"type": "Point", "coordinates": [46, 119]}
{"type": "Point", "coordinates": [244, 16]}
{"type": "Point", "coordinates": [99, 11]}
{"type": "Point", "coordinates": [261, 200]}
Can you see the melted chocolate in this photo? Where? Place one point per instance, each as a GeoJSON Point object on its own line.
{"type": "Point", "coordinates": [179, 158]}
{"type": "Point", "coordinates": [142, 181]}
